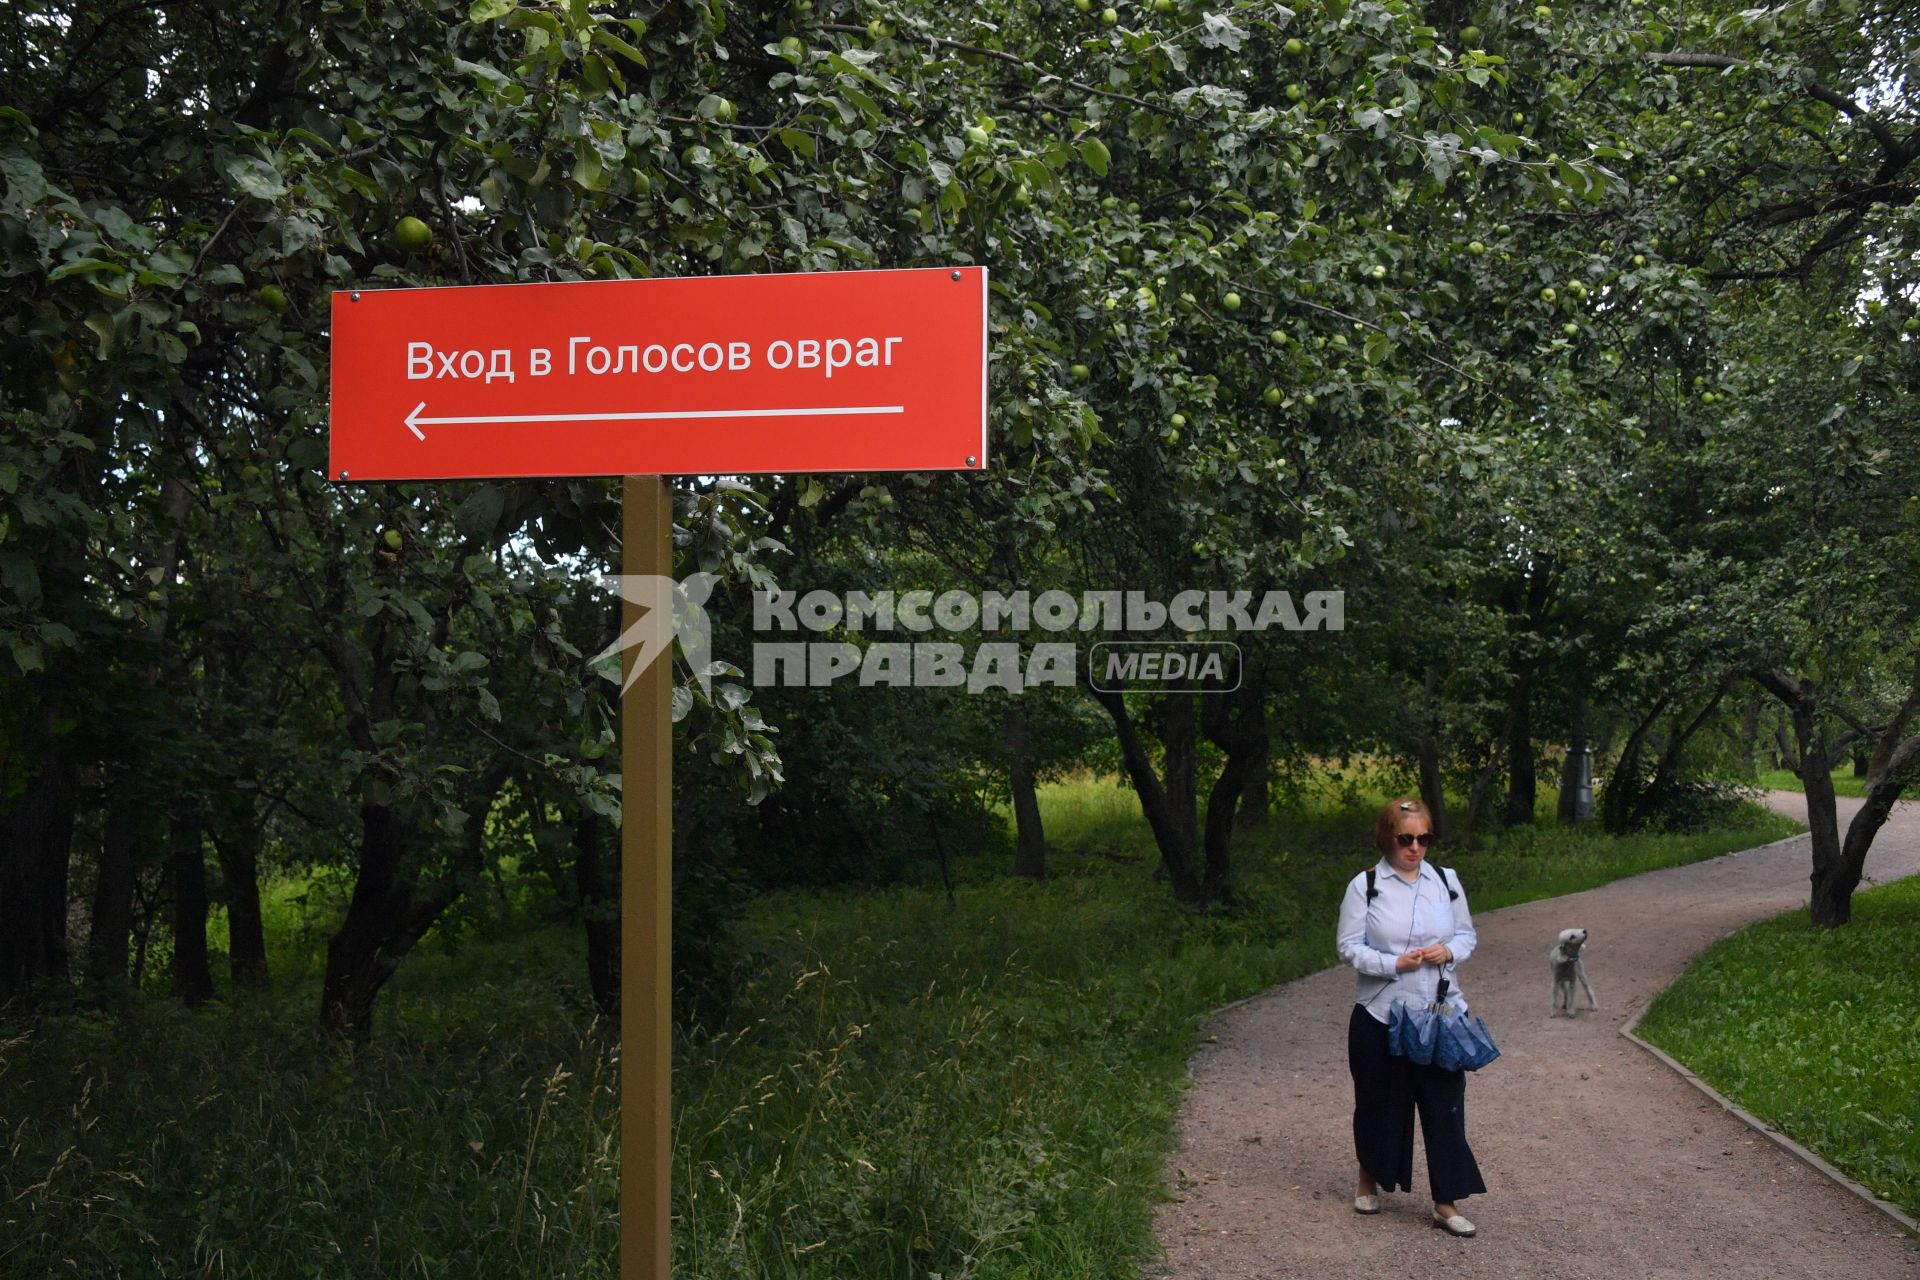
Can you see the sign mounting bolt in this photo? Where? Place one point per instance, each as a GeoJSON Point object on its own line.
{"type": "Point", "coordinates": [972, 461]}
{"type": "Point", "coordinates": [956, 275]}
{"type": "Point", "coordinates": [343, 475]}
{"type": "Point", "coordinates": [355, 295]}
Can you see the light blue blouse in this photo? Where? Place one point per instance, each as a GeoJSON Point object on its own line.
{"type": "Point", "coordinates": [1403, 917]}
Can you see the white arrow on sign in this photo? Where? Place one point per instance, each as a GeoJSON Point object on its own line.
{"type": "Point", "coordinates": [414, 420]}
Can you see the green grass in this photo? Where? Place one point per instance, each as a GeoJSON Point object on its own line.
{"type": "Point", "coordinates": [1844, 783]}
{"type": "Point", "coordinates": [1816, 1031]}
{"type": "Point", "coordinates": [986, 1089]}
{"type": "Point", "coordinates": [904, 1088]}
{"type": "Point", "coordinates": [474, 1137]}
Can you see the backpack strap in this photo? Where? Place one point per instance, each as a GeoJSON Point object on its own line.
{"type": "Point", "coordinates": [1371, 891]}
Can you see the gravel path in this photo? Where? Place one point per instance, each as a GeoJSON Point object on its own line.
{"type": "Point", "coordinates": [1599, 1161]}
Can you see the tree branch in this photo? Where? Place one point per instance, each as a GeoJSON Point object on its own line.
{"type": "Point", "coordinates": [1891, 145]}
{"type": "Point", "coordinates": [1012, 60]}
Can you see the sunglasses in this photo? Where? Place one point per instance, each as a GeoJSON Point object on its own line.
{"type": "Point", "coordinates": [1408, 839]}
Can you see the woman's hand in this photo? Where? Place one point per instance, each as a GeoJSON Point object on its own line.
{"type": "Point", "coordinates": [1438, 953]}
{"type": "Point", "coordinates": [1408, 961]}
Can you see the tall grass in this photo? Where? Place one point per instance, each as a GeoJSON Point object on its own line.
{"type": "Point", "coordinates": [905, 1087]}
{"type": "Point", "coordinates": [1817, 1031]}
{"type": "Point", "coordinates": [232, 1140]}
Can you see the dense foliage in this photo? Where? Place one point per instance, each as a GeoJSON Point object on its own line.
{"type": "Point", "coordinates": [1576, 347]}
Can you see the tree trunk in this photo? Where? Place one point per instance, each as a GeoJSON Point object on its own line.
{"type": "Point", "coordinates": [1030, 837]}
{"type": "Point", "coordinates": [1171, 836]}
{"type": "Point", "coordinates": [1833, 897]}
{"type": "Point", "coordinates": [1567, 809]}
{"type": "Point", "coordinates": [146, 910]}
{"type": "Point", "coordinates": [1663, 773]}
{"type": "Point", "coordinates": [600, 910]}
{"type": "Point", "coordinates": [1256, 798]}
{"type": "Point", "coordinates": [1432, 786]}
{"type": "Point", "coordinates": [1830, 905]}
{"type": "Point", "coordinates": [36, 843]}
{"type": "Point", "coordinates": [112, 932]}
{"type": "Point", "coordinates": [237, 842]}
{"type": "Point", "coordinates": [1750, 731]}
{"type": "Point", "coordinates": [1832, 888]}
{"type": "Point", "coordinates": [1522, 780]}
{"type": "Point", "coordinates": [387, 914]}
{"type": "Point", "coordinates": [1180, 742]}
{"type": "Point", "coordinates": [1477, 788]}
{"type": "Point", "coordinates": [1488, 770]}
{"type": "Point", "coordinates": [187, 860]}
{"type": "Point", "coordinates": [1785, 757]}
{"type": "Point", "coordinates": [1243, 737]}
{"type": "Point", "coordinates": [359, 957]}
{"type": "Point", "coordinates": [1617, 803]}
{"type": "Point", "coordinates": [1890, 762]}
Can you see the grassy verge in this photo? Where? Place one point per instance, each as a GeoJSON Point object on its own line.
{"type": "Point", "coordinates": [1816, 1031]}
{"type": "Point", "coordinates": [907, 1086]}
{"type": "Point", "coordinates": [1844, 783]}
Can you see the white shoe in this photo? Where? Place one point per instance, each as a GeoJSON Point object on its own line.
{"type": "Point", "coordinates": [1456, 1225]}
{"type": "Point", "coordinates": [1366, 1204]}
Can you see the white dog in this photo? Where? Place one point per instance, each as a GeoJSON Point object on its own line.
{"type": "Point", "coordinates": [1567, 966]}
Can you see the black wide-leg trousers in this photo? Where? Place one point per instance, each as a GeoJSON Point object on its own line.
{"type": "Point", "coordinates": [1386, 1092]}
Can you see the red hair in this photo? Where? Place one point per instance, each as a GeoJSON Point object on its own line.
{"type": "Point", "coordinates": [1388, 824]}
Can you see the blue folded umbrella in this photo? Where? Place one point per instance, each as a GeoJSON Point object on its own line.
{"type": "Point", "coordinates": [1446, 1038]}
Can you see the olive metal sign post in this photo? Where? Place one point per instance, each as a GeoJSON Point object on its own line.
{"type": "Point", "coordinates": [725, 375]}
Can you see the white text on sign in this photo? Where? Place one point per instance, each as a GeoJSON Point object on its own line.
{"type": "Point", "coordinates": [825, 354]}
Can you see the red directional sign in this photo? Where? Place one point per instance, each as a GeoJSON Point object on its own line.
{"type": "Point", "coordinates": [828, 371]}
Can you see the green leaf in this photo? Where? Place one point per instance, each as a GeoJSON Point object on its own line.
{"type": "Point", "coordinates": [603, 36]}
{"type": "Point", "coordinates": [1573, 177]}
{"type": "Point", "coordinates": [481, 71]}
{"type": "Point", "coordinates": [26, 183]}
{"type": "Point", "coordinates": [488, 10]}
{"type": "Point", "coordinates": [256, 177]}
{"type": "Point", "coordinates": [19, 575]}
{"type": "Point", "coordinates": [1096, 155]}
{"type": "Point", "coordinates": [1217, 31]}
{"type": "Point", "coordinates": [589, 171]}
{"type": "Point", "coordinates": [83, 266]}
{"type": "Point", "coordinates": [479, 513]}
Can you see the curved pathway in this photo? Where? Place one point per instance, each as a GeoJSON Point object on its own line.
{"type": "Point", "coordinates": [1600, 1162]}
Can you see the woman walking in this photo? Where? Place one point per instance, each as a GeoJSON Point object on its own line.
{"type": "Point", "coordinates": [1404, 926]}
